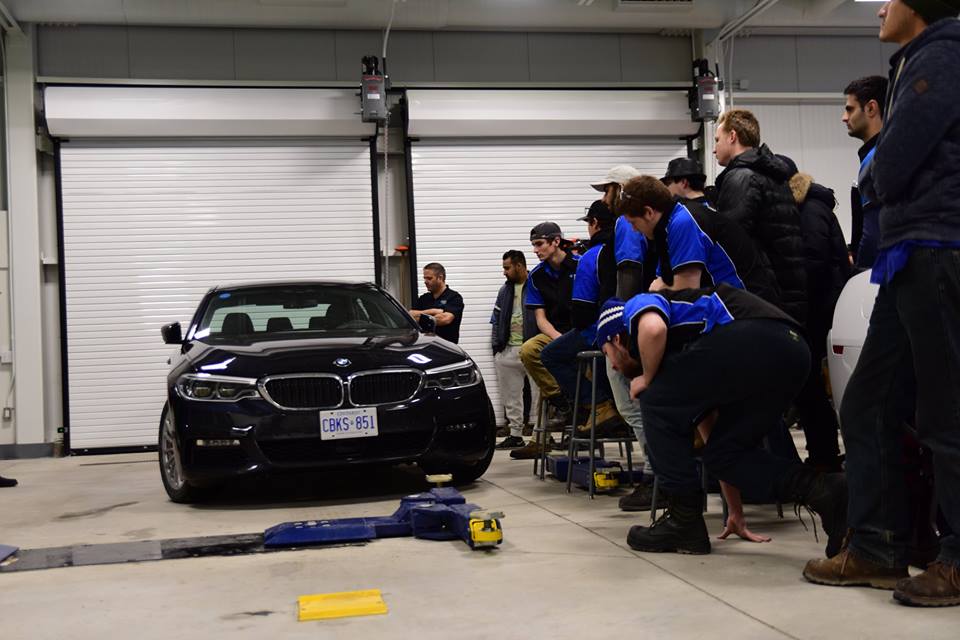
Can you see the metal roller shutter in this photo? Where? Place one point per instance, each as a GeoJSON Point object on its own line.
{"type": "Point", "coordinates": [149, 226]}
{"type": "Point", "coordinates": [476, 200]}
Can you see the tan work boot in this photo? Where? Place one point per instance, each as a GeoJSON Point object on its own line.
{"type": "Point", "coordinates": [938, 586]}
{"type": "Point", "coordinates": [531, 450]}
{"type": "Point", "coordinates": [847, 569]}
{"type": "Point", "coordinates": [609, 421]}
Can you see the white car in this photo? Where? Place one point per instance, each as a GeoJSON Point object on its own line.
{"type": "Point", "coordinates": [845, 340]}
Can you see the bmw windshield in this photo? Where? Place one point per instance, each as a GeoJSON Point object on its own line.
{"type": "Point", "coordinates": [295, 311]}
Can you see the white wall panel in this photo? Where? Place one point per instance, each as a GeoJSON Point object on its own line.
{"type": "Point", "coordinates": [814, 136]}
{"type": "Point", "coordinates": [474, 201]}
{"type": "Point", "coordinates": [148, 227]}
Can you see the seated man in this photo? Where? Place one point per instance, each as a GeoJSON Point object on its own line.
{"type": "Point", "coordinates": [719, 348]}
{"type": "Point", "coordinates": [441, 302]}
{"type": "Point", "coordinates": [594, 282]}
{"type": "Point", "coordinates": [694, 249]}
{"type": "Point", "coordinates": [548, 293]}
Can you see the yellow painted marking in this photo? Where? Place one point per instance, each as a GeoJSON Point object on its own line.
{"type": "Point", "coordinates": [323, 606]}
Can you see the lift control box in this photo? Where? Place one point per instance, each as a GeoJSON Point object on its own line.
{"type": "Point", "coordinates": [373, 92]}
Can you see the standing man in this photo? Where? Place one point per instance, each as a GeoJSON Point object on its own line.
{"type": "Point", "coordinates": [549, 292]}
{"type": "Point", "coordinates": [916, 173]}
{"type": "Point", "coordinates": [863, 115]}
{"type": "Point", "coordinates": [512, 324]}
{"type": "Point", "coordinates": [441, 302]}
{"type": "Point", "coordinates": [686, 181]}
{"type": "Point", "coordinates": [629, 247]}
{"type": "Point", "coordinates": [753, 192]}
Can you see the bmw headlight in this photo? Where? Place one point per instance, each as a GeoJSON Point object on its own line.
{"type": "Point", "coordinates": [453, 376]}
{"type": "Point", "coordinates": [203, 386]}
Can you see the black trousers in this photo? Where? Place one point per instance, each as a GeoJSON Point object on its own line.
{"type": "Point", "coordinates": [750, 370]}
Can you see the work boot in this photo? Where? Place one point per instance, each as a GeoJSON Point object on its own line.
{"type": "Point", "coordinates": [680, 529]}
{"type": "Point", "coordinates": [847, 569]}
{"type": "Point", "coordinates": [823, 493]}
{"type": "Point", "coordinates": [609, 422]}
{"type": "Point", "coordinates": [640, 499]}
{"type": "Point", "coordinates": [559, 413]}
{"type": "Point", "coordinates": [532, 449]}
{"type": "Point", "coordinates": [938, 586]}
{"type": "Point", "coordinates": [7, 482]}
{"type": "Point", "coordinates": [511, 442]}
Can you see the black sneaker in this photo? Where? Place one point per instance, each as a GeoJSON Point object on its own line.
{"type": "Point", "coordinates": [7, 482]}
{"type": "Point", "coordinates": [511, 442]}
{"type": "Point", "coordinates": [640, 499]}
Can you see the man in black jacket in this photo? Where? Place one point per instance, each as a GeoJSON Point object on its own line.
{"type": "Point", "coordinates": [753, 192]}
{"type": "Point", "coordinates": [828, 268]}
{"type": "Point", "coordinates": [512, 324]}
{"type": "Point", "coordinates": [914, 320]}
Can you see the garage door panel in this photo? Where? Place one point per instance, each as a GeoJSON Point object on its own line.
{"type": "Point", "coordinates": [149, 226]}
{"type": "Point", "coordinates": [473, 201]}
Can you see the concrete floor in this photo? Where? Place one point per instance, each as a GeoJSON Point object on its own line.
{"type": "Point", "coordinates": [563, 571]}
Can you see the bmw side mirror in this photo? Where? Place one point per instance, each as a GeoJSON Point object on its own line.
{"type": "Point", "coordinates": [427, 323]}
{"type": "Point", "coordinates": [172, 334]}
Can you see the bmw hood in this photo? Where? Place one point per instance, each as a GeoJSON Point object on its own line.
{"type": "Point", "coordinates": [334, 354]}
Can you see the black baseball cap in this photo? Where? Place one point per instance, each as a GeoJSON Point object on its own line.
{"type": "Point", "coordinates": [546, 231]}
{"type": "Point", "coordinates": [600, 212]}
{"type": "Point", "coordinates": [684, 168]}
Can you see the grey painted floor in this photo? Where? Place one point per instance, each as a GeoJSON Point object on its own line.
{"type": "Point", "coordinates": [563, 571]}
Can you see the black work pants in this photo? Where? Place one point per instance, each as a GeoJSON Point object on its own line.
{"type": "Point", "coordinates": [750, 370]}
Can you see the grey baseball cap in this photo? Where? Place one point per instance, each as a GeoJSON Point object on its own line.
{"type": "Point", "coordinates": [620, 174]}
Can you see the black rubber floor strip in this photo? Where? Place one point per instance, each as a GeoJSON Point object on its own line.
{"type": "Point", "coordinates": [144, 551]}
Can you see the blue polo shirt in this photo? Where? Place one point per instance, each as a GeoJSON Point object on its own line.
{"type": "Point", "coordinates": [629, 245]}
{"type": "Point", "coordinates": [688, 244]}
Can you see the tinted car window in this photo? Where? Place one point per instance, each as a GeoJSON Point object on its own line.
{"type": "Point", "coordinates": [284, 312]}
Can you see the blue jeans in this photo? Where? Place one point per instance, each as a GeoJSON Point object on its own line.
{"type": "Point", "coordinates": [914, 331]}
{"type": "Point", "coordinates": [560, 359]}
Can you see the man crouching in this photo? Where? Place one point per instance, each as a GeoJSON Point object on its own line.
{"type": "Point", "coordinates": [723, 349]}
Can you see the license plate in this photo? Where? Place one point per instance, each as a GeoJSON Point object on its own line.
{"type": "Point", "coordinates": [348, 423]}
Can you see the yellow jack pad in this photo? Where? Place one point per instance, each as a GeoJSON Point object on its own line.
{"type": "Point", "coordinates": [323, 606]}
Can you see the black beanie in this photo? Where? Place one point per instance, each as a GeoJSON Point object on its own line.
{"type": "Point", "coordinates": [933, 10]}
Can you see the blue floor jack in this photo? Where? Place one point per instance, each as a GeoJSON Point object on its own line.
{"type": "Point", "coordinates": [439, 514]}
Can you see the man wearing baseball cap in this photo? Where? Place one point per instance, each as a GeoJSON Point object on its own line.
{"type": "Point", "coordinates": [686, 181]}
{"type": "Point", "coordinates": [913, 325]}
{"type": "Point", "coordinates": [549, 292]}
{"type": "Point", "coordinates": [695, 351]}
{"type": "Point", "coordinates": [629, 247]}
{"type": "Point", "coordinates": [593, 283]}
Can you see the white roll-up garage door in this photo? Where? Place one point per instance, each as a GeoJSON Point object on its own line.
{"type": "Point", "coordinates": [474, 200]}
{"type": "Point", "coordinates": [149, 226]}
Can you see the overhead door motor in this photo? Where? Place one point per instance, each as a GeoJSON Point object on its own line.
{"type": "Point", "coordinates": [706, 93]}
{"type": "Point", "coordinates": [373, 91]}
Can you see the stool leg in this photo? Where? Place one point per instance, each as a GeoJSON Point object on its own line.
{"type": "Point", "coordinates": [572, 449]}
{"type": "Point", "coordinates": [629, 462]}
{"type": "Point", "coordinates": [593, 425]}
{"type": "Point", "coordinates": [539, 431]}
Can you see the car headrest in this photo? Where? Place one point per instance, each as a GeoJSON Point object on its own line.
{"type": "Point", "coordinates": [279, 324]}
{"type": "Point", "coordinates": [237, 324]}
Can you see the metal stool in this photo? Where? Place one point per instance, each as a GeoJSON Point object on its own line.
{"type": "Point", "coordinates": [589, 359]}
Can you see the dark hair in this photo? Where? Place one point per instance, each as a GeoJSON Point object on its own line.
{"type": "Point", "coordinates": [697, 183]}
{"type": "Point", "coordinates": [645, 191]}
{"type": "Point", "coordinates": [437, 269]}
{"type": "Point", "coordinates": [516, 257]}
{"type": "Point", "coordinates": [867, 89]}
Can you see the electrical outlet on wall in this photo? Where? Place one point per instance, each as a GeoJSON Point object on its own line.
{"type": "Point", "coordinates": [7, 414]}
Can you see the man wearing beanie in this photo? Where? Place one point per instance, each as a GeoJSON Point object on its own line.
{"type": "Point", "coordinates": [914, 325]}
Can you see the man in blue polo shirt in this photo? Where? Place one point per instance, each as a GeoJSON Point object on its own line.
{"type": "Point", "coordinates": [594, 282]}
{"type": "Point", "coordinates": [548, 294]}
{"type": "Point", "coordinates": [694, 249]}
{"type": "Point", "coordinates": [700, 350]}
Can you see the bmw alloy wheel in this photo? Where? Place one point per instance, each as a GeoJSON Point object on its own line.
{"type": "Point", "coordinates": [170, 452]}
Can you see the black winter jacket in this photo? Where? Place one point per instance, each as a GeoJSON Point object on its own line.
{"type": "Point", "coordinates": [827, 262]}
{"type": "Point", "coordinates": [500, 318]}
{"type": "Point", "coordinates": [753, 192]}
{"type": "Point", "coordinates": [916, 169]}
